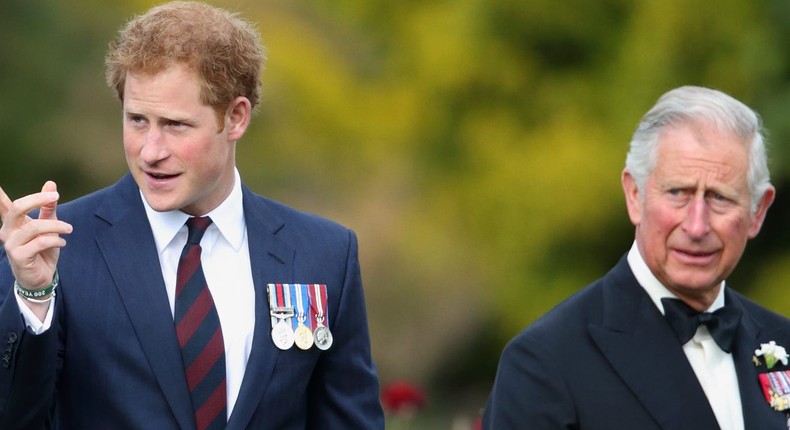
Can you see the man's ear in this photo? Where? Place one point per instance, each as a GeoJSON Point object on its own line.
{"type": "Point", "coordinates": [632, 198]}
{"type": "Point", "coordinates": [758, 216]}
{"type": "Point", "coordinates": [237, 118]}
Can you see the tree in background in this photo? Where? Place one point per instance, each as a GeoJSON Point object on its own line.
{"type": "Point", "coordinates": [474, 145]}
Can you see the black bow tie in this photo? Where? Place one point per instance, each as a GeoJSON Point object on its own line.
{"type": "Point", "coordinates": [684, 320]}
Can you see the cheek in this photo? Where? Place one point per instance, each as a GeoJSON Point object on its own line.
{"type": "Point", "coordinates": [732, 230]}
{"type": "Point", "coordinates": [206, 157]}
{"type": "Point", "coordinates": [131, 143]}
{"type": "Point", "coordinates": [191, 150]}
{"type": "Point", "coordinates": [661, 220]}
{"type": "Point", "coordinates": [221, 153]}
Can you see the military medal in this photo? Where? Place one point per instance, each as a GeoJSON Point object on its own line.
{"type": "Point", "coordinates": [775, 383]}
{"type": "Point", "coordinates": [283, 335]}
{"type": "Point", "coordinates": [322, 335]}
{"type": "Point", "coordinates": [303, 335]}
{"type": "Point", "coordinates": [280, 311]}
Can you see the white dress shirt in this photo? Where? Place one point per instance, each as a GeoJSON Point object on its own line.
{"type": "Point", "coordinates": [715, 369]}
{"type": "Point", "coordinates": [226, 264]}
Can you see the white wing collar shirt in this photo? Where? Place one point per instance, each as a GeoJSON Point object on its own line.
{"type": "Point", "coordinates": [714, 368]}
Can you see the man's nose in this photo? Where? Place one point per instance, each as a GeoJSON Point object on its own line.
{"type": "Point", "coordinates": [154, 148]}
{"type": "Point", "coordinates": [697, 221]}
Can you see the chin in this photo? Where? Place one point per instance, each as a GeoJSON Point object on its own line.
{"type": "Point", "coordinates": [162, 208]}
{"type": "Point", "coordinates": [697, 287]}
{"type": "Point", "coordinates": [159, 205]}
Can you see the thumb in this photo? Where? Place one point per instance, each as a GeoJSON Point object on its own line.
{"type": "Point", "coordinates": [48, 210]}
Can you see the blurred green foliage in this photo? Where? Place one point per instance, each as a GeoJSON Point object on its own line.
{"type": "Point", "coordinates": [475, 145]}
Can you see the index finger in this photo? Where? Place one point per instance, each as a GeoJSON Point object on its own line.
{"type": "Point", "coordinates": [16, 212]}
{"type": "Point", "coordinates": [5, 204]}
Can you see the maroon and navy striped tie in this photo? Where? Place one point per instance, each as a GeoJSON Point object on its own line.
{"type": "Point", "coordinates": [199, 333]}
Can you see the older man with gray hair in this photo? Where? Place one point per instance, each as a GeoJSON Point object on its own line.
{"type": "Point", "coordinates": [661, 341]}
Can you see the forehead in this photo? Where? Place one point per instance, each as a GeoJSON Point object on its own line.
{"type": "Point", "coordinates": [699, 149]}
{"type": "Point", "coordinates": [174, 72]}
{"type": "Point", "coordinates": [174, 85]}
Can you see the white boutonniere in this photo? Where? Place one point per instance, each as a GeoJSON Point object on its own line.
{"type": "Point", "coordinates": [771, 353]}
{"type": "Point", "coordinates": [775, 384]}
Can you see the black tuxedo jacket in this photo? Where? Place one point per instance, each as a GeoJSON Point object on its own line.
{"type": "Point", "coordinates": [605, 359]}
{"type": "Point", "coordinates": [111, 359]}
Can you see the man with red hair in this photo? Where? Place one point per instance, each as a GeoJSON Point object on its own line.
{"type": "Point", "coordinates": [169, 300]}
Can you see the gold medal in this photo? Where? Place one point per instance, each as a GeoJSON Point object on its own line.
{"type": "Point", "coordinates": [303, 336]}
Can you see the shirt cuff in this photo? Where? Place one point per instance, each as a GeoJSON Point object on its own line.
{"type": "Point", "coordinates": [31, 320]}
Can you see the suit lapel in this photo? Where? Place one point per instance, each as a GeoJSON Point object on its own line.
{"type": "Point", "coordinates": [647, 356]}
{"type": "Point", "coordinates": [757, 414]}
{"type": "Point", "coordinates": [128, 248]}
{"type": "Point", "coordinates": [272, 261]}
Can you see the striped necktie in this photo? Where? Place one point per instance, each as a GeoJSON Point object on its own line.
{"type": "Point", "coordinates": [199, 333]}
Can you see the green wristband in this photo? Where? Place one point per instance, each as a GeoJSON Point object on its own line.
{"type": "Point", "coordinates": [37, 294]}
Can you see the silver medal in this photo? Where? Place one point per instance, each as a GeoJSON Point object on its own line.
{"type": "Point", "coordinates": [323, 337]}
{"type": "Point", "coordinates": [283, 335]}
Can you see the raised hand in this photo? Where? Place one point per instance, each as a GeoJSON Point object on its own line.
{"type": "Point", "coordinates": [33, 244]}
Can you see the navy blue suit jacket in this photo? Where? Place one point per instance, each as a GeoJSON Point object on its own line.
{"type": "Point", "coordinates": [605, 359]}
{"type": "Point", "coordinates": [111, 359]}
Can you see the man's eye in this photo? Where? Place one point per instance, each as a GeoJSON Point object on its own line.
{"type": "Point", "coordinates": [718, 197]}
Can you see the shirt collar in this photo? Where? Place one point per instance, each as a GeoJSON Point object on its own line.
{"type": "Point", "coordinates": [228, 218]}
{"type": "Point", "coordinates": [653, 286]}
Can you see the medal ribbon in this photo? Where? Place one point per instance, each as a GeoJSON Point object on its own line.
{"type": "Point", "coordinates": [765, 383]}
{"type": "Point", "coordinates": [275, 296]}
{"type": "Point", "coordinates": [286, 293]}
{"type": "Point", "coordinates": [318, 294]}
{"type": "Point", "coordinates": [782, 382]}
{"type": "Point", "coordinates": [279, 302]}
{"type": "Point", "coordinates": [301, 299]}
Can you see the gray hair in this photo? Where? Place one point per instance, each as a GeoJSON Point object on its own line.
{"type": "Point", "coordinates": [691, 104]}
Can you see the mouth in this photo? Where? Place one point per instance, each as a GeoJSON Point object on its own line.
{"type": "Point", "coordinates": [160, 176]}
{"type": "Point", "coordinates": [160, 181]}
{"type": "Point", "coordinates": [695, 256]}
{"type": "Point", "coordinates": [694, 253]}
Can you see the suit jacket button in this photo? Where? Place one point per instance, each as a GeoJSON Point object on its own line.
{"type": "Point", "coordinates": [6, 362]}
{"type": "Point", "coordinates": [11, 337]}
